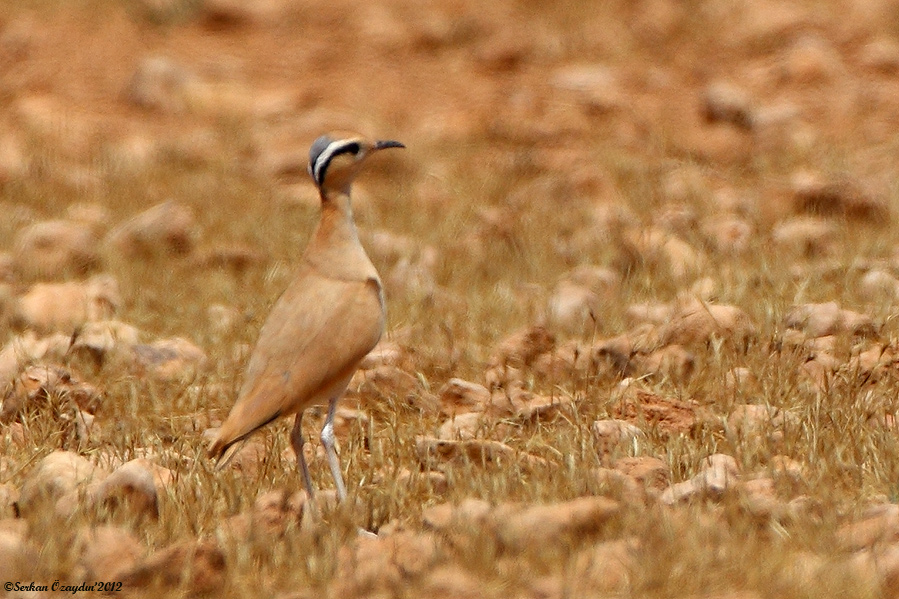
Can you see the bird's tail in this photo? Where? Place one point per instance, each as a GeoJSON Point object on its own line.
{"type": "Point", "coordinates": [223, 453]}
{"type": "Point", "coordinates": [228, 440]}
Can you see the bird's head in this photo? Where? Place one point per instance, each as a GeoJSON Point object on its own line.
{"type": "Point", "coordinates": [335, 158]}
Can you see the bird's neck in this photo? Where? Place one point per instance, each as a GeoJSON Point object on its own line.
{"type": "Point", "coordinates": [334, 249]}
{"type": "Point", "coordinates": [337, 217]}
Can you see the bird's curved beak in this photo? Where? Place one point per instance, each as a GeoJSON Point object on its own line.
{"type": "Point", "coordinates": [387, 143]}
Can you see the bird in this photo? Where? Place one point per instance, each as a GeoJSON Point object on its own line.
{"type": "Point", "coordinates": [330, 316]}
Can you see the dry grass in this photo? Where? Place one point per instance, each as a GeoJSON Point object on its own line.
{"type": "Point", "coordinates": [509, 156]}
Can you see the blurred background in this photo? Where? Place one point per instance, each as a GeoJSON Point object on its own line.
{"type": "Point", "coordinates": [674, 213]}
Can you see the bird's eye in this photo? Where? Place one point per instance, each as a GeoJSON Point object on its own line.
{"type": "Point", "coordinates": [353, 148]}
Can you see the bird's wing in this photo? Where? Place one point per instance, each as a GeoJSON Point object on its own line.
{"type": "Point", "coordinates": [316, 335]}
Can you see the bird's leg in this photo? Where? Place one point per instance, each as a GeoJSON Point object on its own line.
{"type": "Point", "coordinates": [297, 440]}
{"type": "Point", "coordinates": [328, 441]}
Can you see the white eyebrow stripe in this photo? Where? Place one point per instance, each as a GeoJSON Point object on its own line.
{"type": "Point", "coordinates": [326, 156]}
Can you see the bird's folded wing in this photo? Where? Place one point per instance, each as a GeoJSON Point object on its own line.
{"type": "Point", "coordinates": [316, 335]}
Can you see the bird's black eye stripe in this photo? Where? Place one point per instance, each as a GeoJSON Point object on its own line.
{"type": "Point", "coordinates": [350, 148]}
{"type": "Point", "coordinates": [319, 166]}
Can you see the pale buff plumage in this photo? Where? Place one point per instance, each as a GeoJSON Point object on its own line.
{"type": "Point", "coordinates": [326, 321]}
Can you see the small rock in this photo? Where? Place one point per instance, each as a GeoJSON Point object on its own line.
{"type": "Point", "coordinates": [806, 235]}
{"type": "Point", "coordinates": [236, 13]}
{"type": "Point", "coordinates": [468, 516]}
{"type": "Point", "coordinates": [726, 103]}
{"type": "Point", "coordinates": [412, 552]}
{"type": "Point", "coordinates": [654, 313]}
{"type": "Point", "coordinates": [700, 323]}
{"type": "Point", "coordinates": [384, 563]}
{"type": "Point", "coordinates": [619, 486]}
{"type": "Point", "coordinates": [67, 306]}
{"type": "Point", "coordinates": [57, 479]}
{"type": "Point", "coordinates": [451, 580]}
{"type": "Point", "coordinates": [598, 86]}
{"type": "Point", "coordinates": [672, 362]}
{"type": "Point", "coordinates": [387, 353]}
{"type": "Point", "coordinates": [879, 284]}
{"type": "Point", "coordinates": [235, 258]}
{"type": "Point", "coordinates": [197, 566]}
{"type": "Point", "coordinates": [160, 83]}
{"type": "Point", "coordinates": [605, 569]}
{"type": "Point", "coordinates": [811, 60]}
{"type": "Point", "coordinates": [28, 349]}
{"type": "Point", "coordinates": [9, 497]}
{"type": "Point", "coordinates": [164, 229]}
{"type": "Point", "coordinates": [817, 320]}
{"type": "Point", "coordinates": [817, 372]}
{"type": "Point", "coordinates": [873, 362]}
{"type": "Point", "coordinates": [389, 381]}
{"type": "Point", "coordinates": [758, 422]}
{"type": "Point", "coordinates": [131, 484]}
{"type": "Point", "coordinates": [46, 385]}
{"type": "Point", "coordinates": [435, 482]}
{"type": "Point", "coordinates": [652, 473]}
{"type": "Point", "coordinates": [879, 527]}
{"type": "Point", "coordinates": [858, 323]}
{"type": "Point", "coordinates": [786, 469]}
{"type": "Point", "coordinates": [458, 396]}
{"type": "Point", "coordinates": [522, 348]}
{"type": "Point", "coordinates": [175, 359]}
{"type": "Point", "coordinates": [758, 498]}
{"type": "Point", "coordinates": [515, 353]}
{"type": "Point", "coordinates": [532, 527]}
{"type": "Point", "coordinates": [576, 302]}
{"type": "Point", "coordinates": [730, 235]}
{"type": "Point", "coordinates": [55, 248]}
{"type": "Point", "coordinates": [570, 358]}
{"type": "Point", "coordinates": [820, 320]}
{"type": "Point", "coordinates": [463, 426]}
{"type": "Point", "coordinates": [843, 197]}
{"type": "Point", "coordinates": [881, 55]}
{"type": "Point", "coordinates": [18, 559]}
{"type": "Point", "coordinates": [106, 552]}
{"type": "Point", "coordinates": [717, 474]}
{"type": "Point", "coordinates": [223, 319]}
{"type": "Point", "coordinates": [647, 409]}
{"type": "Point", "coordinates": [541, 407]}
{"type": "Point", "coordinates": [741, 380]}
{"type": "Point", "coordinates": [474, 451]}
{"type": "Point", "coordinates": [95, 216]}
{"type": "Point", "coordinates": [574, 308]}
{"type": "Point", "coordinates": [271, 516]}
{"type": "Point", "coordinates": [657, 248]}
{"type": "Point", "coordinates": [103, 338]}
{"type": "Point", "coordinates": [609, 435]}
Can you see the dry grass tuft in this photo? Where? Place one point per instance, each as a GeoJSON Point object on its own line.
{"type": "Point", "coordinates": [640, 273]}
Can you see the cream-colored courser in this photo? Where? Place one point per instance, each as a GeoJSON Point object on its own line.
{"type": "Point", "coordinates": [326, 321]}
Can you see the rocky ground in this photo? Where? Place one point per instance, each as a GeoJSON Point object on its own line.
{"type": "Point", "coordinates": [640, 269]}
